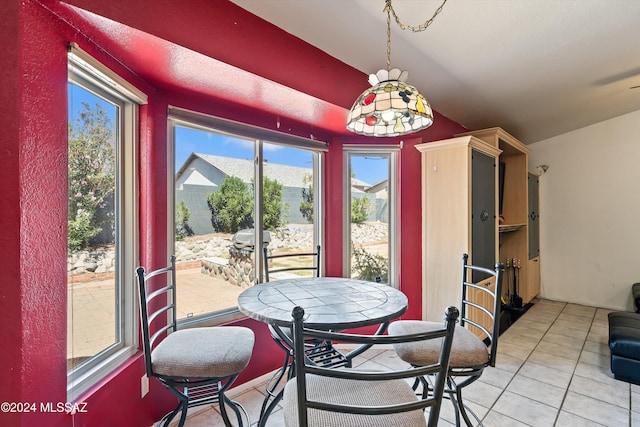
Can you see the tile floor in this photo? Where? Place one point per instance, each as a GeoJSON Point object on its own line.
{"type": "Point", "coordinates": [552, 370]}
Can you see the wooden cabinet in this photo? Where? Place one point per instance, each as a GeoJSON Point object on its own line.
{"type": "Point", "coordinates": [459, 207]}
{"type": "Point", "coordinates": [514, 223]}
{"type": "Point", "coordinates": [474, 200]}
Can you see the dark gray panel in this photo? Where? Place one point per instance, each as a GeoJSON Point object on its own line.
{"type": "Point", "coordinates": [483, 210]}
{"type": "Point", "coordinates": [534, 216]}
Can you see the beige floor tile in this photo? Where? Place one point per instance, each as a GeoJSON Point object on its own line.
{"type": "Point", "coordinates": [514, 350]}
{"type": "Point", "coordinates": [635, 402]}
{"type": "Point", "coordinates": [563, 329]}
{"type": "Point", "coordinates": [602, 316]}
{"type": "Point", "coordinates": [598, 373]}
{"type": "Point", "coordinates": [559, 350]}
{"type": "Point", "coordinates": [567, 419]}
{"type": "Point", "coordinates": [552, 361]}
{"type": "Point", "coordinates": [575, 318]}
{"type": "Point", "coordinates": [537, 390]}
{"type": "Point", "coordinates": [546, 374]}
{"type": "Point", "coordinates": [481, 393]}
{"type": "Point", "coordinates": [572, 326]}
{"type": "Point", "coordinates": [595, 410]}
{"type": "Point", "coordinates": [580, 310]}
{"type": "Point", "coordinates": [599, 359]}
{"type": "Point", "coordinates": [545, 304]}
{"type": "Point", "coordinates": [600, 323]}
{"type": "Point", "coordinates": [542, 317]}
{"type": "Point", "coordinates": [496, 419]}
{"type": "Point", "coordinates": [615, 395]}
{"type": "Point", "coordinates": [508, 363]}
{"type": "Point", "coordinates": [496, 377]}
{"type": "Point", "coordinates": [599, 334]}
{"type": "Point", "coordinates": [528, 324]}
{"type": "Point", "coordinates": [524, 341]}
{"type": "Point", "coordinates": [526, 410]}
{"type": "Point", "coordinates": [597, 347]}
{"type": "Point", "coordinates": [564, 340]}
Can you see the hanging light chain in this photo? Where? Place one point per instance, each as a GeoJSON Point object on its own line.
{"type": "Point", "coordinates": [388, 9]}
{"type": "Point", "coordinates": [416, 29]}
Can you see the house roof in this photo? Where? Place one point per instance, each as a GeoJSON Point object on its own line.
{"type": "Point", "coordinates": [288, 176]}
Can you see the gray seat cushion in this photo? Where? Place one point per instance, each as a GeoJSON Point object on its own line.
{"type": "Point", "coordinates": [467, 349]}
{"type": "Point", "coordinates": [336, 390]}
{"type": "Point", "coordinates": [204, 352]}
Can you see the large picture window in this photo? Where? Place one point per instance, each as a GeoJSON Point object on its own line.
{"type": "Point", "coordinates": [102, 146]}
{"type": "Point", "coordinates": [220, 213]}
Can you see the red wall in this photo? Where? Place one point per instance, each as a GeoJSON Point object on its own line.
{"type": "Point", "coordinates": [10, 289]}
{"type": "Point", "coordinates": [33, 193]}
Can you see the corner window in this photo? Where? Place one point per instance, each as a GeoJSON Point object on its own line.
{"type": "Point", "coordinates": [221, 216]}
{"type": "Point", "coordinates": [102, 146]}
{"type": "Point", "coordinates": [370, 213]}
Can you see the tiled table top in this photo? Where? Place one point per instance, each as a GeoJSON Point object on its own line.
{"type": "Point", "coordinates": [328, 302]}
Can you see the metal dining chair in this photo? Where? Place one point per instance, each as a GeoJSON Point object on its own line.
{"type": "Point", "coordinates": [197, 365]}
{"type": "Point", "coordinates": [323, 397]}
{"type": "Point", "coordinates": [322, 352]}
{"type": "Point", "coordinates": [476, 338]}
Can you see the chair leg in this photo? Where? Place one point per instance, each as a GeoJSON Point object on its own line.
{"type": "Point", "coordinates": [274, 381]}
{"type": "Point", "coordinates": [451, 390]}
{"type": "Point", "coordinates": [459, 407]}
{"type": "Point", "coordinates": [463, 410]}
{"type": "Point", "coordinates": [426, 386]}
{"type": "Point", "coordinates": [236, 407]}
{"type": "Point", "coordinates": [183, 415]}
{"type": "Point", "coordinates": [183, 404]}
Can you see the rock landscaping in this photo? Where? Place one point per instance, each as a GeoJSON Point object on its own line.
{"type": "Point", "coordinates": [214, 249]}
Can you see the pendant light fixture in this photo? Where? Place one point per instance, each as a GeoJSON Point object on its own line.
{"type": "Point", "coordinates": [391, 107]}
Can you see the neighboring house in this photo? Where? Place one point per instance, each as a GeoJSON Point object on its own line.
{"type": "Point", "coordinates": [381, 192]}
{"type": "Point", "coordinates": [377, 194]}
{"type": "Point", "coordinates": [202, 174]}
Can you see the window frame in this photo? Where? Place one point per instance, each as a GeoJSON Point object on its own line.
{"type": "Point", "coordinates": [393, 153]}
{"type": "Point", "coordinates": [88, 74]}
{"type": "Point", "coordinates": [199, 121]}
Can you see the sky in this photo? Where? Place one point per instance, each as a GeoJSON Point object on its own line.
{"type": "Point", "coordinates": [368, 169]}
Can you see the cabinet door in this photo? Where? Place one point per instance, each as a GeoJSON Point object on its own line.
{"type": "Point", "coordinates": [483, 210]}
{"type": "Point", "coordinates": [533, 279]}
{"type": "Point", "coordinates": [534, 215]}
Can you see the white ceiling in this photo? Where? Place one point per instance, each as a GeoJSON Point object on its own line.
{"type": "Point", "coordinates": [537, 68]}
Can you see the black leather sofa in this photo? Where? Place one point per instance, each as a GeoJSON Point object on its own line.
{"type": "Point", "coordinates": [624, 341]}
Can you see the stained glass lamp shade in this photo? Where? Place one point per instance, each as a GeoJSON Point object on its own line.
{"type": "Point", "coordinates": [390, 107]}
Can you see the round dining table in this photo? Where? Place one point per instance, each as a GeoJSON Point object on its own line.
{"type": "Point", "coordinates": [328, 302]}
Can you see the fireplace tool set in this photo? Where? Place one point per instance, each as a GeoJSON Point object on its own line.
{"type": "Point", "coordinates": [512, 276]}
